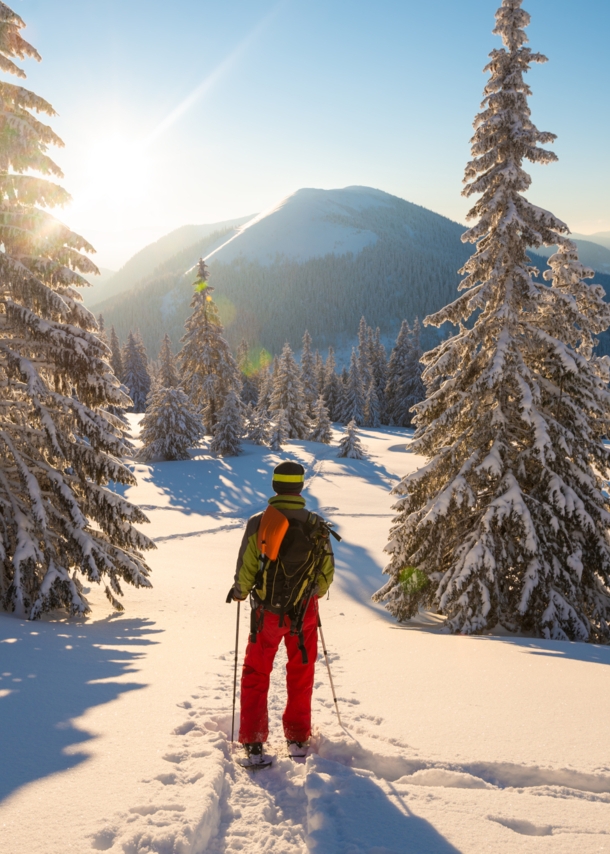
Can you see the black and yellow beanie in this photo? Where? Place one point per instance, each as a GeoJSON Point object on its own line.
{"type": "Point", "coordinates": [288, 478]}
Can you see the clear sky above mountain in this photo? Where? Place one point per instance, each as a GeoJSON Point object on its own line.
{"type": "Point", "coordinates": [198, 111]}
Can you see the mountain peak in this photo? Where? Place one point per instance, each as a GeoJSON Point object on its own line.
{"type": "Point", "coordinates": [313, 223]}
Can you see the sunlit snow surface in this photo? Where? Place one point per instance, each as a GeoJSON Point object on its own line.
{"type": "Point", "coordinates": [114, 731]}
{"type": "Point", "coordinates": [309, 223]}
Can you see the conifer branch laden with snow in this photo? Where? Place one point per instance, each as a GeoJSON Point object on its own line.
{"type": "Point", "coordinates": [60, 444]}
{"type": "Point", "coordinates": [507, 523]}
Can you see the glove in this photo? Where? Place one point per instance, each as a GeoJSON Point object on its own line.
{"type": "Point", "coordinates": [233, 597]}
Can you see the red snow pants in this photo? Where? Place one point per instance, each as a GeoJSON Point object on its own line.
{"type": "Point", "coordinates": [258, 664]}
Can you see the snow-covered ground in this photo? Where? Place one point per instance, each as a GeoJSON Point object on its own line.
{"type": "Point", "coordinates": [304, 225]}
{"type": "Point", "coordinates": [114, 730]}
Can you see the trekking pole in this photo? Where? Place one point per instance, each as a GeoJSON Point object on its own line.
{"type": "Point", "coordinates": [235, 674]}
{"type": "Point", "coordinates": [332, 684]}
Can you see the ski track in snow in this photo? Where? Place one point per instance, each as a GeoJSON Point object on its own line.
{"type": "Point", "coordinates": [363, 790]}
{"type": "Point", "coordinates": [358, 791]}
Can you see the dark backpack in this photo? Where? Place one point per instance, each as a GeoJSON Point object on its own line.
{"type": "Point", "coordinates": [286, 583]}
{"type": "Point", "coordinates": [282, 584]}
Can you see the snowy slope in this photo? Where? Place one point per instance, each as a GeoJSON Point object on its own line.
{"type": "Point", "coordinates": [115, 729]}
{"type": "Point", "coordinates": [319, 260]}
{"type": "Point", "coordinates": [310, 223]}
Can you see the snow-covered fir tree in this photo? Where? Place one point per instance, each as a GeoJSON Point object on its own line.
{"type": "Point", "coordinates": [308, 375]}
{"type": "Point", "coordinates": [116, 360]}
{"type": "Point", "coordinates": [136, 375]}
{"type": "Point", "coordinates": [350, 445]}
{"type": "Point", "coordinates": [209, 371]}
{"type": "Point", "coordinates": [170, 427]}
{"type": "Point", "coordinates": [280, 428]}
{"type": "Point", "coordinates": [353, 401]}
{"type": "Point", "coordinates": [287, 395]}
{"type": "Point", "coordinates": [167, 373]}
{"type": "Point", "coordinates": [396, 371]}
{"type": "Point", "coordinates": [59, 444]}
{"type": "Point", "coordinates": [508, 523]}
{"type": "Point", "coordinates": [404, 386]}
{"type": "Point", "coordinates": [229, 428]}
{"type": "Point", "coordinates": [259, 426]}
{"type": "Point", "coordinates": [333, 387]}
{"type": "Point", "coordinates": [372, 414]}
{"type": "Point", "coordinates": [321, 428]}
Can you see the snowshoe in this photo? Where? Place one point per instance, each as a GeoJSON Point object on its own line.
{"type": "Point", "coordinates": [255, 759]}
{"type": "Point", "coordinates": [298, 749]}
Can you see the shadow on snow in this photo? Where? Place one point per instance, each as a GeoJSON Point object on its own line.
{"type": "Point", "coordinates": [50, 673]}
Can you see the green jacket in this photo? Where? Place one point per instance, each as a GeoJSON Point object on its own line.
{"type": "Point", "coordinates": [293, 507]}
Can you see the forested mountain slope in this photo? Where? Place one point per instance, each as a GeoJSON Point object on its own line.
{"type": "Point", "coordinates": [601, 238]}
{"type": "Point", "coordinates": [592, 254]}
{"type": "Point", "coordinates": [318, 261]}
{"type": "Point", "coordinates": [145, 262]}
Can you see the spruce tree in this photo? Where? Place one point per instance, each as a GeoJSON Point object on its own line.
{"type": "Point", "coordinates": [308, 375]}
{"type": "Point", "coordinates": [259, 427]}
{"type": "Point", "coordinates": [321, 429]}
{"type": "Point", "coordinates": [59, 442]}
{"type": "Point", "coordinates": [333, 388]}
{"type": "Point", "coordinates": [136, 375]}
{"type": "Point", "coordinates": [167, 374]}
{"type": "Point", "coordinates": [228, 430]}
{"type": "Point", "coordinates": [170, 427]}
{"type": "Point", "coordinates": [280, 428]}
{"type": "Point", "coordinates": [397, 368]}
{"type": "Point", "coordinates": [287, 395]}
{"type": "Point", "coordinates": [372, 416]}
{"type": "Point", "coordinates": [350, 445]}
{"type": "Point", "coordinates": [209, 371]}
{"type": "Point", "coordinates": [404, 386]}
{"type": "Point", "coordinates": [353, 402]}
{"type": "Point", "coordinates": [116, 360]}
{"type": "Point", "coordinates": [508, 523]}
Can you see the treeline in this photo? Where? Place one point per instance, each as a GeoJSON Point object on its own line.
{"type": "Point", "coordinates": [206, 390]}
{"type": "Point", "coordinates": [409, 272]}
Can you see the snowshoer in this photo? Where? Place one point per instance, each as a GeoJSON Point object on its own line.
{"type": "Point", "coordinates": [285, 563]}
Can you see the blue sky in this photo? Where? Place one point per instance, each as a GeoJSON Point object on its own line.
{"type": "Point", "coordinates": [198, 111]}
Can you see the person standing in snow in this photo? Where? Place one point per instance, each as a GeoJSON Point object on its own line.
{"type": "Point", "coordinates": [297, 624]}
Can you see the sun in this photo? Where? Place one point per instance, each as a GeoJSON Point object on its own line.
{"type": "Point", "coordinates": [116, 169]}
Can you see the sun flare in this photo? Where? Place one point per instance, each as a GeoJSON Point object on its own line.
{"type": "Point", "coordinates": [116, 169]}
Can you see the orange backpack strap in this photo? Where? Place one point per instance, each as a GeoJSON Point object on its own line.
{"type": "Point", "coordinates": [271, 532]}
